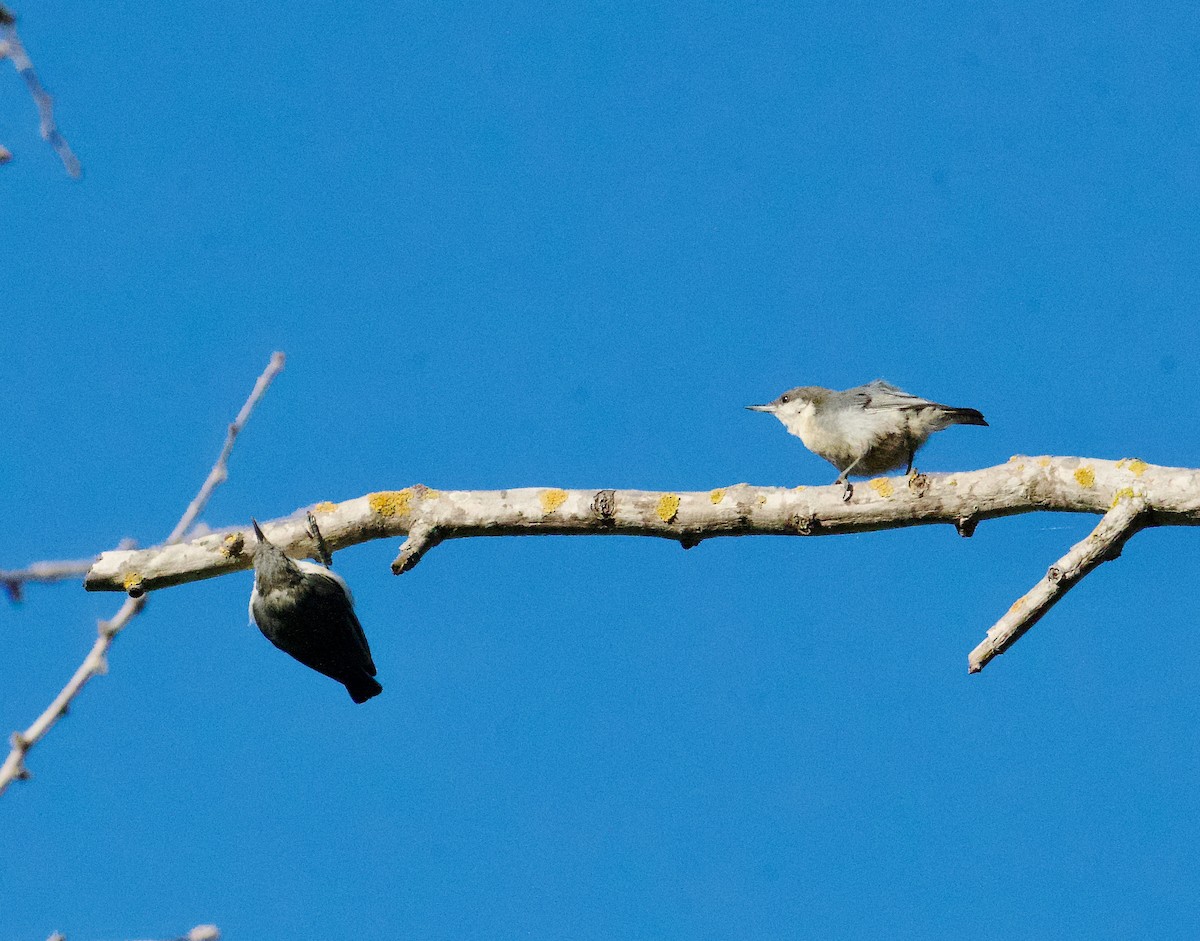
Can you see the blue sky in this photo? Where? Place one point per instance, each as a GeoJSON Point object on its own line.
{"type": "Point", "coordinates": [544, 245]}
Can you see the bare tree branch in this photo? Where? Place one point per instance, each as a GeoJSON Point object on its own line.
{"type": "Point", "coordinates": [1157, 496]}
{"type": "Point", "coordinates": [1103, 544]}
{"type": "Point", "coordinates": [96, 662]}
{"type": "Point", "coordinates": [11, 47]}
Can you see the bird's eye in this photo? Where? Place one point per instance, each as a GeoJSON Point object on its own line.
{"type": "Point", "coordinates": [784, 398]}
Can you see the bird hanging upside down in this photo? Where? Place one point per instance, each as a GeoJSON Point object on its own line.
{"type": "Point", "coordinates": [307, 611]}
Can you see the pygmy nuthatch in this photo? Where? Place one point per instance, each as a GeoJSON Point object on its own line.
{"type": "Point", "coordinates": [307, 611]}
{"type": "Point", "coordinates": [866, 430]}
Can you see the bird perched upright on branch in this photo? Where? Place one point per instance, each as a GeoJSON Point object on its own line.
{"type": "Point", "coordinates": [307, 611]}
{"type": "Point", "coordinates": [866, 430]}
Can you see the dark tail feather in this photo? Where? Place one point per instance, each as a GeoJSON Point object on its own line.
{"type": "Point", "coordinates": [967, 416]}
{"type": "Point", "coordinates": [362, 688]}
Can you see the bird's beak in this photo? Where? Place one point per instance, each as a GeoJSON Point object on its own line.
{"type": "Point", "coordinates": [257, 531]}
{"type": "Point", "coordinates": [761, 408]}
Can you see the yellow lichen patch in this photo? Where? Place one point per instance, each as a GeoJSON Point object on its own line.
{"type": "Point", "coordinates": [1125, 493]}
{"type": "Point", "coordinates": [1017, 605]}
{"type": "Point", "coordinates": [762, 499]}
{"type": "Point", "coordinates": [390, 502]}
{"type": "Point", "coordinates": [552, 499]}
{"type": "Point", "coordinates": [1085, 476]}
{"type": "Point", "coordinates": [233, 544]}
{"type": "Point", "coordinates": [717, 495]}
{"type": "Point", "coordinates": [882, 486]}
{"type": "Point", "coordinates": [325, 506]}
{"type": "Point", "coordinates": [430, 494]}
{"type": "Point", "coordinates": [1043, 462]}
{"type": "Point", "coordinates": [131, 581]}
{"type": "Point", "coordinates": [668, 506]}
{"type": "Point", "coordinates": [1136, 467]}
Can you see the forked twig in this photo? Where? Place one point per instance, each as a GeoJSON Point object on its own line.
{"type": "Point", "coordinates": [96, 662]}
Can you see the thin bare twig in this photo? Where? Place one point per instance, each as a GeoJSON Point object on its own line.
{"type": "Point", "coordinates": [199, 933]}
{"type": "Point", "coordinates": [1103, 544]}
{"type": "Point", "coordinates": [220, 470]}
{"type": "Point", "coordinates": [47, 573]}
{"type": "Point", "coordinates": [11, 47]}
{"type": "Point", "coordinates": [43, 573]}
{"type": "Point", "coordinates": [96, 662]}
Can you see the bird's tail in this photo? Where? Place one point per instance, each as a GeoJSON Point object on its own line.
{"type": "Point", "coordinates": [361, 688]}
{"type": "Point", "coordinates": [966, 416]}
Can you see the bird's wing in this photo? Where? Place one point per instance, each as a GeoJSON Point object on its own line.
{"type": "Point", "coordinates": [880, 394]}
{"type": "Point", "coordinates": [330, 598]}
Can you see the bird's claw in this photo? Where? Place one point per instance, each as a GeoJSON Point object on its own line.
{"type": "Point", "coordinates": [323, 553]}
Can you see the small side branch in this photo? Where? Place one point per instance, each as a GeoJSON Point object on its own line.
{"type": "Point", "coordinates": [421, 539]}
{"type": "Point", "coordinates": [11, 47]}
{"type": "Point", "coordinates": [1102, 544]}
{"type": "Point", "coordinates": [96, 662]}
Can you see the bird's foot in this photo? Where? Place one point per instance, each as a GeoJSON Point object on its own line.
{"type": "Point", "coordinates": [847, 490]}
{"type": "Point", "coordinates": [323, 553]}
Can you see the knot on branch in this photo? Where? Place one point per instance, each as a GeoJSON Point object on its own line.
{"type": "Point", "coordinates": [918, 485]}
{"type": "Point", "coordinates": [966, 525]}
{"type": "Point", "coordinates": [689, 540]}
{"type": "Point", "coordinates": [805, 525]}
{"type": "Point", "coordinates": [1054, 576]}
{"type": "Point", "coordinates": [604, 504]}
